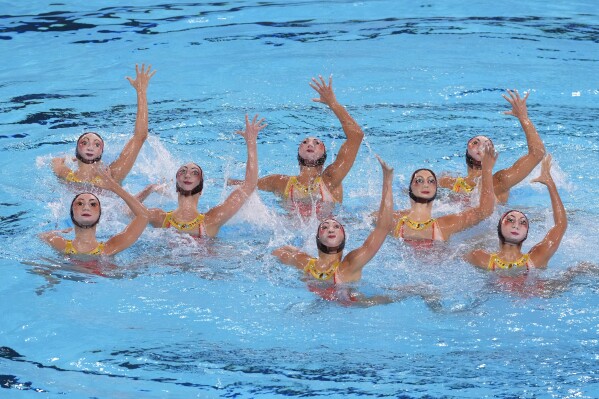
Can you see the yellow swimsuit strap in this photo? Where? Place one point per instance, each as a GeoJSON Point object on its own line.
{"type": "Point", "coordinates": [460, 184]}
{"type": "Point", "coordinates": [320, 275]}
{"type": "Point", "coordinates": [496, 262]}
{"type": "Point", "coordinates": [70, 177]}
{"type": "Point", "coordinates": [315, 185]}
{"type": "Point", "coordinates": [70, 249]}
{"type": "Point", "coordinates": [169, 221]}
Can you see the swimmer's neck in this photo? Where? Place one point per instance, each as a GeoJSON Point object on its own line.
{"type": "Point", "coordinates": [420, 212]}
{"type": "Point", "coordinates": [307, 174]}
{"type": "Point", "coordinates": [510, 252]}
{"type": "Point", "coordinates": [328, 259]}
{"type": "Point", "coordinates": [85, 235]}
{"type": "Point", "coordinates": [188, 203]}
{"type": "Point", "coordinates": [87, 170]}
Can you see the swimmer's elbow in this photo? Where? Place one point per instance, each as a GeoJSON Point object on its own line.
{"type": "Point", "coordinates": [359, 133]}
{"type": "Point", "coordinates": [538, 153]}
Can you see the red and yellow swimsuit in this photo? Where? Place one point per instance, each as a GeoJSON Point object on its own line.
{"type": "Point", "coordinates": [70, 177]}
{"type": "Point", "coordinates": [497, 263]}
{"type": "Point", "coordinates": [399, 230]}
{"type": "Point", "coordinates": [461, 185]}
{"type": "Point", "coordinates": [69, 249]}
{"type": "Point", "coordinates": [186, 227]}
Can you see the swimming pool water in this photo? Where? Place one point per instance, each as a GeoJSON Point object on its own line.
{"type": "Point", "coordinates": [174, 319]}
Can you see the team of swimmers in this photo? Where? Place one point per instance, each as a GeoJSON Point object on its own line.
{"type": "Point", "coordinates": [314, 191]}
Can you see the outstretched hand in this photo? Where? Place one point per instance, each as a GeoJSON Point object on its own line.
{"type": "Point", "coordinates": [387, 170]}
{"type": "Point", "coordinates": [545, 176]}
{"type": "Point", "coordinates": [160, 188]}
{"type": "Point", "coordinates": [252, 128]}
{"type": "Point", "coordinates": [326, 91]}
{"type": "Point", "coordinates": [518, 103]}
{"type": "Point", "coordinates": [142, 78]}
{"type": "Point", "coordinates": [104, 178]}
{"type": "Point", "coordinates": [489, 155]}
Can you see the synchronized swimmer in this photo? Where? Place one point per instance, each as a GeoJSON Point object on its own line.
{"type": "Point", "coordinates": [417, 226]}
{"type": "Point", "coordinates": [190, 184]}
{"type": "Point", "coordinates": [90, 145]}
{"type": "Point", "coordinates": [507, 178]}
{"type": "Point", "coordinates": [331, 266]}
{"type": "Point", "coordinates": [512, 230]}
{"type": "Point", "coordinates": [86, 210]}
{"type": "Point", "coordinates": [314, 192]}
{"type": "Point", "coordinates": [316, 187]}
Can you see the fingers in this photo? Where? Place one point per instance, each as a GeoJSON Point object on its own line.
{"type": "Point", "coordinates": [515, 95]}
{"type": "Point", "coordinates": [489, 151]}
{"type": "Point", "coordinates": [384, 165]}
{"type": "Point", "coordinates": [315, 85]}
{"type": "Point", "coordinates": [256, 122]}
{"type": "Point", "coordinates": [318, 84]}
{"type": "Point", "coordinates": [321, 83]}
{"type": "Point", "coordinates": [144, 72]}
{"type": "Point", "coordinates": [512, 96]}
{"type": "Point", "coordinates": [254, 126]}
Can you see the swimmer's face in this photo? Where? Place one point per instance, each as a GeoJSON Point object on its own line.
{"type": "Point", "coordinates": [311, 149]}
{"type": "Point", "coordinates": [514, 227]}
{"type": "Point", "coordinates": [424, 184]}
{"type": "Point", "coordinates": [86, 209]}
{"type": "Point", "coordinates": [189, 176]}
{"type": "Point", "coordinates": [331, 233]}
{"type": "Point", "coordinates": [90, 146]}
{"type": "Point", "coordinates": [476, 146]}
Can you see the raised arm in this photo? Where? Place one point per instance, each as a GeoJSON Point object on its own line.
{"type": "Point", "coordinates": [149, 189]}
{"type": "Point", "coordinates": [479, 258]}
{"type": "Point", "coordinates": [274, 183]}
{"type": "Point", "coordinates": [543, 251]}
{"type": "Point", "coordinates": [292, 256]}
{"type": "Point", "coordinates": [123, 164]}
{"type": "Point", "coordinates": [507, 178]}
{"type": "Point", "coordinates": [60, 168]}
{"type": "Point", "coordinates": [54, 238]}
{"type": "Point", "coordinates": [336, 172]}
{"type": "Point", "coordinates": [127, 237]}
{"type": "Point", "coordinates": [355, 261]}
{"type": "Point", "coordinates": [453, 223]}
{"type": "Point", "coordinates": [219, 215]}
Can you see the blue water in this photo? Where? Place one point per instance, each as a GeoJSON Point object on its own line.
{"type": "Point", "coordinates": [224, 319]}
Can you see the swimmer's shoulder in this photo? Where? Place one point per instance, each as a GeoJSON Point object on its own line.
{"type": "Point", "coordinates": [276, 183]}
{"type": "Point", "coordinates": [447, 180]}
